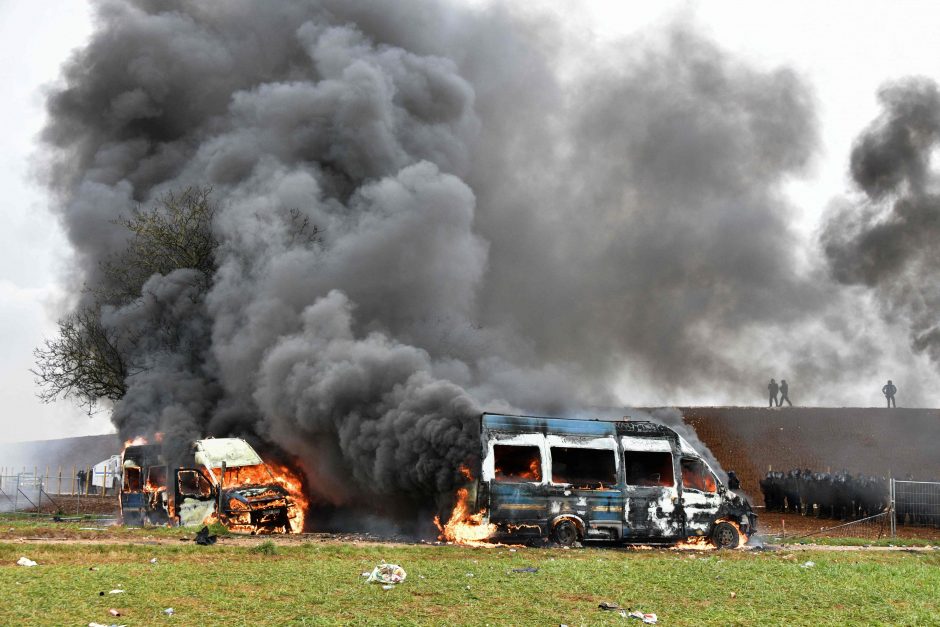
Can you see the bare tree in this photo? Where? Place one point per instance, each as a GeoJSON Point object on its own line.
{"type": "Point", "coordinates": [89, 361]}
{"type": "Point", "coordinates": [177, 233]}
{"type": "Point", "coordinates": [82, 363]}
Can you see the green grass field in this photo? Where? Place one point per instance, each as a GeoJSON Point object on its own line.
{"type": "Point", "coordinates": [315, 583]}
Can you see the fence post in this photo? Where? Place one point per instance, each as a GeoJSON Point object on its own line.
{"type": "Point", "coordinates": [894, 522]}
{"type": "Point", "coordinates": [59, 488]}
{"type": "Point", "coordinates": [16, 495]}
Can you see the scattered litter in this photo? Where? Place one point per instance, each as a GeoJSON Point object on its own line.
{"type": "Point", "coordinates": [387, 574]}
{"type": "Point", "coordinates": [153, 560]}
{"type": "Point", "coordinates": [365, 574]}
{"type": "Point", "coordinates": [116, 591]}
{"type": "Point", "coordinates": [92, 568]}
{"type": "Point", "coordinates": [606, 605]}
{"type": "Point", "coordinates": [100, 625]}
{"type": "Point", "coordinates": [469, 574]}
{"type": "Point", "coordinates": [114, 612]}
{"type": "Point", "coordinates": [646, 618]}
{"type": "Point", "coordinates": [421, 577]}
{"type": "Point", "coordinates": [512, 550]}
{"type": "Point", "coordinates": [387, 586]}
{"type": "Point", "coordinates": [733, 594]}
{"type": "Point", "coordinates": [527, 569]}
{"type": "Point", "coordinates": [807, 564]}
{"type": "Point", "coordinates": [204, 538]}
{"type": "Point", "coordinates": [168, 611]}
{"type": "Point", "coordinates": [25, 561]}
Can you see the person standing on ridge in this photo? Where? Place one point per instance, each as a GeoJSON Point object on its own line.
{"type": "Point", "coordinates": [784, 390]}
{"type": "Point", "coordinates": [889, 390]}
{"type": "Point", "coordinates": [773, 388]}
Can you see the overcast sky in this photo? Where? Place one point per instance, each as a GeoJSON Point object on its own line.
{"type": "Point", "coordinates": [843, 50]}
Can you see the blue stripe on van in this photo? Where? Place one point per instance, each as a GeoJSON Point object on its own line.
{"type": "Point", "coordinates": [554, 426]}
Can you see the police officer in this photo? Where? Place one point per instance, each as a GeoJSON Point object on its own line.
{"type": "Point", "coordinates": [889, 390]}
{"type": "Point", "coordinates": [773, 388]}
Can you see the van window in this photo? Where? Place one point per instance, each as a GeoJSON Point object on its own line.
{"type": "Point", "coordinates": [696, 476]}
{"type": "Point", "coordinates": [517, 463]}
{"type": "Point", "coordinates": [648, 468]}
{"type": "Point", "coordinates": [156, 478]}
{"type": "Point", "coordinates": [587, 467]}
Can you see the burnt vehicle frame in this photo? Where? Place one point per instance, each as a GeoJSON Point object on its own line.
{"type": "Point", "coordinates": [205, 487]}
{"type": "Point", "coordinates": [619, 480]}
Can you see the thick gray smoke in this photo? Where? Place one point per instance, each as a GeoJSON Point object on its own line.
{"type": "Point", "coordinates": [886, 240]}
{"type": "Point", "coordinates": [493, 234]}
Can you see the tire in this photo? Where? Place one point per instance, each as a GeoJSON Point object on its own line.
{"type": "Point", "coordinates": [725, 536]}
{"type": "Point", "coordinates": [565, 533]}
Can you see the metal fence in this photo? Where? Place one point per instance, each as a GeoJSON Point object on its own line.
{"type": "Point", "coordinates": [914, 503]}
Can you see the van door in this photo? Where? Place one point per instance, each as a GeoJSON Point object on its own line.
{"type": "Point", "coordinates": [651, 507]}
{"type": "Point", "coordinates": [584, 483]}
{"type": "Point", "coordinates": [700, 496]}
{"type": "Point", "coordinates": [195, 497]}
{"type": "Point", "coordinates": [514, 467]}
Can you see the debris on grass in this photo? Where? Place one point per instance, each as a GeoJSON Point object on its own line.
{"type": "Point", "coordinates": [527, 569]}
{"type": "Point", "coordinates": [114, 612]}
{"type": "Point", "coordinates": [204, 538]}
{"type": "Point", "coordinates": [650, 619]}
{"type": "Point", "coordinates": [387, 574]}
{"type": "Point", "coordinates": [807, 564]}
{"type": "Point", "coordinates": [153, 560]}
{"type": "Point", "coordinates": [25, 561]}
{"type": "Point", "coordinates": [168, 611]}
{"type": "Point", "coordinates": [100, 625]}
{"type": "Point", "coordinates": [607, 605]}
{"type": "Point", "coordinates": [116, 591]}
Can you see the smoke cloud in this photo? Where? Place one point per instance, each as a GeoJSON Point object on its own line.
{"type": "Point", "coordinates": [494, 233]}
{"type": "Point", "coordinates": [884, 240]}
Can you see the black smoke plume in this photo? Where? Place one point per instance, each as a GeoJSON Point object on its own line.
{"type": "Point", "coordinates": [493, 232]}
{"type": "Point", "coordinates": [886, 239]}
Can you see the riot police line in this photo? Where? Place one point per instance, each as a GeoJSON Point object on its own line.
{"type": "Point", "coordinates": [840, 496]}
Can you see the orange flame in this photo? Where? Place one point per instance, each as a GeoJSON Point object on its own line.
{"type": "Point", "coordinates": [291, 482]}
{"type": "Point", "coordinates": [697, 543]}
{"type": "Point", "coordinates": [136, 441]}
{"type": "Point", "coordinates": [704, 543]}
{"type": "Point", "coordinates": [463, 527]}
{"type": "Point", "coordinates": [265, 474]}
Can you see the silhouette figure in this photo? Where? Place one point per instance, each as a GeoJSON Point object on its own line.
{"type": "Point", "coordinates": [784, 390]}
{"type": "Point", "coordinates": [889, 390]}
{"type": "Point", "coordinates": [773, 388]}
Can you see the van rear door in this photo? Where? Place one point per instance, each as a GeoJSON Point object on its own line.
{"type": "Point", "coordinates": [651, 496]}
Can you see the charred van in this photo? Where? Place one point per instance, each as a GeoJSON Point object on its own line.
{"type": "Point", "coordinates": [621, 480]}
{"type": "Point", "coordinates": [223, 479]}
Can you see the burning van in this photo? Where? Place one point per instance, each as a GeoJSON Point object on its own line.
{"type": "Point", "coordinates": [620, 480]}
{"type": "Point", "coordinates": [224, 480]}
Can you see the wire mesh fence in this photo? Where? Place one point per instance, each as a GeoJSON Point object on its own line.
{"type": "Point", "coordinates": [57, 491]}
{"type": "Point", "coordinates": [915, 503]}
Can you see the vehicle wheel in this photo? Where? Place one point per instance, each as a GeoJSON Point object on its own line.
{"type": "Point", "coordinates": [565, 533]}
{"type": "Point", "coordinates": [725, 536]}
